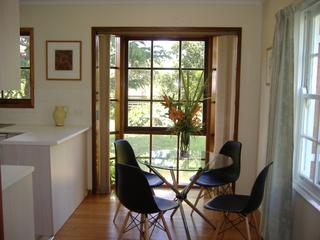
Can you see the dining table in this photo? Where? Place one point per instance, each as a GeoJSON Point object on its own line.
{"type": "Point", "coordinates": [194, 161]}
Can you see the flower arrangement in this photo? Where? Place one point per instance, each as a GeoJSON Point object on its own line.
{"type": "Point", "coordinates": [185, 112]}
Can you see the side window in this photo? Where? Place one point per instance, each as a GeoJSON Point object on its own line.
{"type": "Point", "coordinates": [23, 97]}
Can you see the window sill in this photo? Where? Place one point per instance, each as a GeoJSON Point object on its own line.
{"type": "Point", "coordinates": [310, 198]}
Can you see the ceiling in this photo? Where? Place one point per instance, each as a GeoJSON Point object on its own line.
{"type": "Point", "coordinates": [137, 1]}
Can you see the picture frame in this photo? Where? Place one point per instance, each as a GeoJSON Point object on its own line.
{"type": "Point", "coordinates": [63, 60]}
{"type": "Point", "coordinates": [268, 66]}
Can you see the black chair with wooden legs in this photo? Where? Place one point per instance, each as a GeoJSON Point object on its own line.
{"type": "Point", "coordinates": [125, 155]}
{"type": "Point", "coordinates": [135, 194]}
{"type": "Point", "coordinates": [242, 205]}
{"type": "Point", "coordinates": [222, 180]}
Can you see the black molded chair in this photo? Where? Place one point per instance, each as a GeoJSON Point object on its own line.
{"type": "Point", "coordinates": [224, 177]}
{"type": "Point", "coordinates": [136, 195]}
{"type": "Point", "coordinates": [243, 205]}
{"type": "Point", "coordinates": [125, 155]}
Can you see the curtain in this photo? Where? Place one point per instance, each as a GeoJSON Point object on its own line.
{"type": "Point", "coordinates": [278, 206]}
{"type": "Point", "coordinates": [225, 90]}
{"type": "Point", "coordinates": [102, 184]}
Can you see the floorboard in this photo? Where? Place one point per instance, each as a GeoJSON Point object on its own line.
{"type": "Point", "coordinates": [92, 220]}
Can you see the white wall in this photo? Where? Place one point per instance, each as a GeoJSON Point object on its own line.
{"type": "Point", "coordinates": [306, 217]}
{"type": "Point", "coordinates": [74, 22]}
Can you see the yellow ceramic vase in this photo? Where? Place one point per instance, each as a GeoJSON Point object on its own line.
{"type": "Point", "coordinates": [59, 115]}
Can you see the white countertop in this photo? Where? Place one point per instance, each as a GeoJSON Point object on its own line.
{"type": "Point", "coordinates": [12, 174]}
{"type": "Point", "coordinates": [40, 134]}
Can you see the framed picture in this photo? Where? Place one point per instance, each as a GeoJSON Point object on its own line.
{"type": "Point", "coordinates": [63, 60]}
{"type": "Point", "coordinates": [268, 66]}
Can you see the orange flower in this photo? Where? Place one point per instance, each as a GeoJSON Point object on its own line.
{"type": "Point", "coordinates": [166, 101]}
{"type": "Point", "coordinates": [195, 110]}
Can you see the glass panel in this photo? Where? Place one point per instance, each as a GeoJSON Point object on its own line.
{"type": "Point", "coordinates": [140, 144]}
{"type": "Point", "coordinates": [24, 92]}
{"type": "Point", "coordinates": [139, 84]}
{"type": "Point", "coordinates": [311, 118]}
{"type": "Point", "coordinates": [139, 53]}
{"type": "Point", "coordinates": [192, 54]}
{"type": "Point", "coordinates": [25, 51]}
{"type": "Point", "coordinates": [166, 54]}
{"type": "Point", "coordinates": [165, 81]}
{"type": "Point", "coordinates": [112, 138]}
{"type": "Point", "coordinates": [113, 49]}
{"type": "Point", "coordinates": [112, 114]}
{"type": "Point", "coordinates": [308, 155]}
{"type": "Point", "coordinates": [193, 80]}
{"type": "Point", "coordinates": [112, 83]}
{"type": "Point", "coordinates": [197, 143]}
{"type": "Point", "coordinates": [160, 116]}
{"type": "Point", "coordinates": [138, 114]}
{"type": "Point", "coordinates": [314, 85]}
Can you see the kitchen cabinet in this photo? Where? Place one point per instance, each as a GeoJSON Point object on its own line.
{"type": "Point", "coordinates": [59, 157]}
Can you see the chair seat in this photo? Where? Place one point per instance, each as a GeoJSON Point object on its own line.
{"type": "Point", "coordinates": [153, 180]}
{"type": "Point", "coordinates": [164, 204]}
{"type": "Point", "coordinates": [215, 178]}
{"type": "Point", "coordinates": [228, 203]}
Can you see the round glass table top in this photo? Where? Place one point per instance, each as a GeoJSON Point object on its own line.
{"type": "Point", "coordinates": [170, 160]}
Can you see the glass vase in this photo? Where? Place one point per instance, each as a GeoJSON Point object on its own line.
{"type": "Point", "coordinates": [184, 144]}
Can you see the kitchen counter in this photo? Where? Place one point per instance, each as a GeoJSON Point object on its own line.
{"type": "Point", "coordinates": [12, 174]}
{"type": "Point", "coordinates": [59, 157]}
{"type": "Point", "coordinates": [17, 202]}
{"type": "Point", "coordinates": [41, 135]}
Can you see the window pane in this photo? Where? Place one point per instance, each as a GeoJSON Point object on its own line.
{"type": "Point", "coordinates": [166, 54]}
{"type": "Point", "coordinates": [25, 51]}
{"type": "Point", "coordinates": [113, 49]}
{"type": "Point", "coordinates": [140, 144]}
{"type": "Point", "coordinates": [192, 79]}
{"type": "Point", "coordinates": [165, 81]}
{"type": "Point", "coordinates": [192, 54]}
{"type": "Point", "coordinates": [311, 118]}
{"type": "Point", "coordinates": [168, 142]}
{"type": "Point", "coordinates": [138, 84]}
{"type": "Point", "coordinates": [308, 156]}
{"type": "Point", "coordinates": [112, 138]}
{"type": "Point", "coordinates": [197, 143]}
{"type": "Point", "coordinates": [160, 116]}
{"type": "Point", "coordinates": [112, 83]}
{"type": "Point", "coordinates": [112, 114]}
{"type": "Point", "coordinates": [314, 85]}
{"type": "Point", "coordinates": [138, 114]}
{"type": "Point", "coordinates": [139, 53]}
{"type": "Point", "coordinates": [24, 92]}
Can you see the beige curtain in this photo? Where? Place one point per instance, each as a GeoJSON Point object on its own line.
{"type": "Point", "coordinates": [102, 115]}
{"type": "Point", "coordinates": [225, 89]}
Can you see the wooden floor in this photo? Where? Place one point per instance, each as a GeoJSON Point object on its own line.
{"type": "Point", "coordinates": [93, 221]}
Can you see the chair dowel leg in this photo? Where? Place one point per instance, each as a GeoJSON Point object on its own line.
{"type": "Point", "coordinates": [248, 228]}
{"type": "Point", "coordinates": [197, 200]}
{"type": "Point", "coordinates": [146, 227]}
{"type": "Point", "coordinates": [255, 223]}
{"type": "Point", "coordinates": [117, 211]}
{"type": "Point", "coordinates": [173, 212]}
{"type": "Point", "coordinates": [124, 226]}
{"type": "Point", "coordinates": [208, 192]}
{"type": "Point", "coordinates": [219, 227]}
{"type": "Point", "coordinates": [165, 226]}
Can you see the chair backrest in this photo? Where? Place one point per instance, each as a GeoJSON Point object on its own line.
{"type": "Point", "coordinates": [134, 191]}
{"type": "Point", "coordinates": [233, 150]}
{"type": "Point", "coordinates": [125, 153]}
{"type": "Point", "coordinates": [257, 191]}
